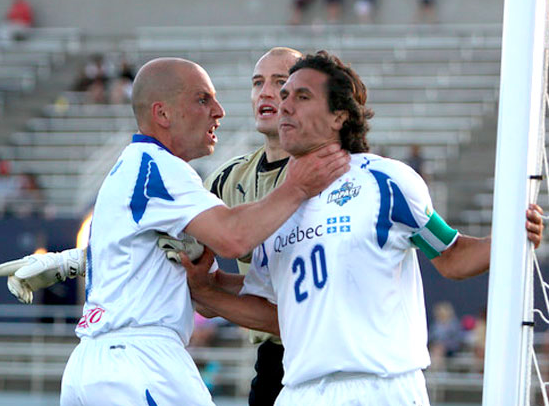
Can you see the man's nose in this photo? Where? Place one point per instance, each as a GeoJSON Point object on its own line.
{"type": "Point", "coordinates": [218, 111]}
{"type": "Point", "coordinates": [267, 91]}
{"type": "Point", "coordinates": [285, 106]}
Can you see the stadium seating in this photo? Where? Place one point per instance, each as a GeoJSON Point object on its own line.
{"type": "Point", "coordinates": [429, 85]}
{"type": "Point", "coordinates": [22, 63]}
{"type": "Point", "coordinates": [36, 342]}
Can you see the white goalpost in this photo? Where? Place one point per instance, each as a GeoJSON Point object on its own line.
{"type": "Point", "coordinates": [520, 148]}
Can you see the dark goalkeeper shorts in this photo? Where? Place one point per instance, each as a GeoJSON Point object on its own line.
{"type": "Point", "coordinates": [269, 371]}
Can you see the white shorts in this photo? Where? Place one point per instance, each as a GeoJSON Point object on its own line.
{"type": "Point", "coordinates": [354, 389]}
{"type": "Point", "coordinates": [132, 367]}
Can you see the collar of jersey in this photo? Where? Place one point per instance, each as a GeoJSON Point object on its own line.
{"type": "Point", "coordinates": [148, 140]}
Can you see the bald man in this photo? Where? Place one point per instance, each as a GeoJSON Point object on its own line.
{"type": "Point", "coordinates": [248, 178]}
{"type": "Point", "coordinates": [138, 316]}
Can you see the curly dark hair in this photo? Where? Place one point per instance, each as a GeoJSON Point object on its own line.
{"type": "Point", "coordinates": [345, 91]}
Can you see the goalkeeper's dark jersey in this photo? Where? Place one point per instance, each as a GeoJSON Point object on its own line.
{"type": "Point", "coordinates": [245, 179]}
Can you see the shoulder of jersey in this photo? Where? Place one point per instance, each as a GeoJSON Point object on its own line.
{"type": "Point", "coordinates": [229, 166]}
{"type": "Point", "coordinates": [397, 170]}
{"type": "Point", "coordinates": [380, 163]}
{"type": "Point", "coordinates": [218, 178]}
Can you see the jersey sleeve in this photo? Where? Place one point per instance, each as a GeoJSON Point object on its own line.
{"type": "Point", "coordinates": [168, 195]}
{"type": "Point", "coordinates": [412, 206]}
{"type": "Point", "coordinates": [258, 279]}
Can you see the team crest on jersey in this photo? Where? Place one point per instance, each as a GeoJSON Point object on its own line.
{"type": "Point", "coordinates": [345, 193]}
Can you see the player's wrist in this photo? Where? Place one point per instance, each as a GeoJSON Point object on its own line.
{"type": "Point", "coordinates": [202, 294]}
{"type": "Point", "coordinates": [294, 192]}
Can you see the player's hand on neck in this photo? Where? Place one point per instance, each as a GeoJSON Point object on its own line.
{"type": "Point", "coordinates": [311, 173]}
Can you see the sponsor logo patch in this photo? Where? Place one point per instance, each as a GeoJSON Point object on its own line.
{"type": "Point", "coordinates": [296, 235]}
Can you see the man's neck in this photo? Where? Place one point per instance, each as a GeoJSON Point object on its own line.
{"type": "Point", "coordinates": [273, 151]}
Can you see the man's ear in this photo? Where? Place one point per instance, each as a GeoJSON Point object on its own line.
{"type": "Point", "coordinates": [340, 117]}
{"type": "Point", "coordinates": [160, 114]}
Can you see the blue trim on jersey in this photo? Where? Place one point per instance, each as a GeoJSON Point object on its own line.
{"type": "Point", "coordinates": [149, 184]}
{"type": "Point", "coordinates": [113, 171]}
{"type": "Point", "coordinates": [89, 264]}
{"type": "Point", "coordinates": [383, 223]}
{"type": "Point", "coordinates": [265, 260]}
{"type": "Point", "coordinates": [150, 400]}
{"type": "Point", "coordinates": [147, 139]}
{"type": "Point", "coordinates": [401, 212]}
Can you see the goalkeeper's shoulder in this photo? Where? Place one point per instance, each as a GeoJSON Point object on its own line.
{"type": "Point", "coordinates": [230, 170]}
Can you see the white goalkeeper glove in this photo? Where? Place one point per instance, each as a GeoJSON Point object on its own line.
{"type": "Point", "coordinates": [172, 247]}
{"type": "Point", "coordinates": [40, 271]}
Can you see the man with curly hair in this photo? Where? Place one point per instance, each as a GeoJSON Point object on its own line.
{"type": "Point", "coordinates": [343, 269]}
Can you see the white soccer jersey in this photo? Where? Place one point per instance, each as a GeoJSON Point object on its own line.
{"type": "Point", "coordinates": [129, 281]}
{"type": "Point", "coordinates": [344, 273]}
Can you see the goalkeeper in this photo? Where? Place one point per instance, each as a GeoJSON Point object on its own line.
{"type": "Point", "coordinates": [137, 317]}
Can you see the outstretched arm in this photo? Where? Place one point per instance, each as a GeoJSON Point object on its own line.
{"type": "Point", "coordinates": [38, 271]}
{"type": "Point", "coordinates": [470, 256]}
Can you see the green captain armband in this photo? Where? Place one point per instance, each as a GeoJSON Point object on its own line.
{"type": "Point", "coordinates": [435, 237]}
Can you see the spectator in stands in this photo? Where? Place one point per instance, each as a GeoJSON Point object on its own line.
{"type": "Point", "coordinates": [479, 340]}
{"type": "Point", "coordinates": [427, 11]}
{"type": "Point", "coordinates": [333, 9]}
{"type": "Point", "coordinates": [5, 167]}
{"type": "Point", "coordinates": [29, 198]}
{"type": "Point", "coordinates": [97, 67]}
{"type": "Point", "coordinates": [467, 325]}
{"type": "Point", "coordinates": [120, 89]}
{"type": "Point", "coordinates": [445, 335]}
{"type": "Point", "coordinates": [8, 188]}
{"type": "Point", "coordinates": [416, 161]}
{"type": "Point", "coordinates": [18, 21]}
{"type": "Point", "coordinates": [94, 78]}
{"type": "Point", "coordinates": [365, 10]}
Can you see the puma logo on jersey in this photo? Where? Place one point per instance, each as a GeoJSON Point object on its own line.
{"type": "Point", "coordinates": [241, 190]}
